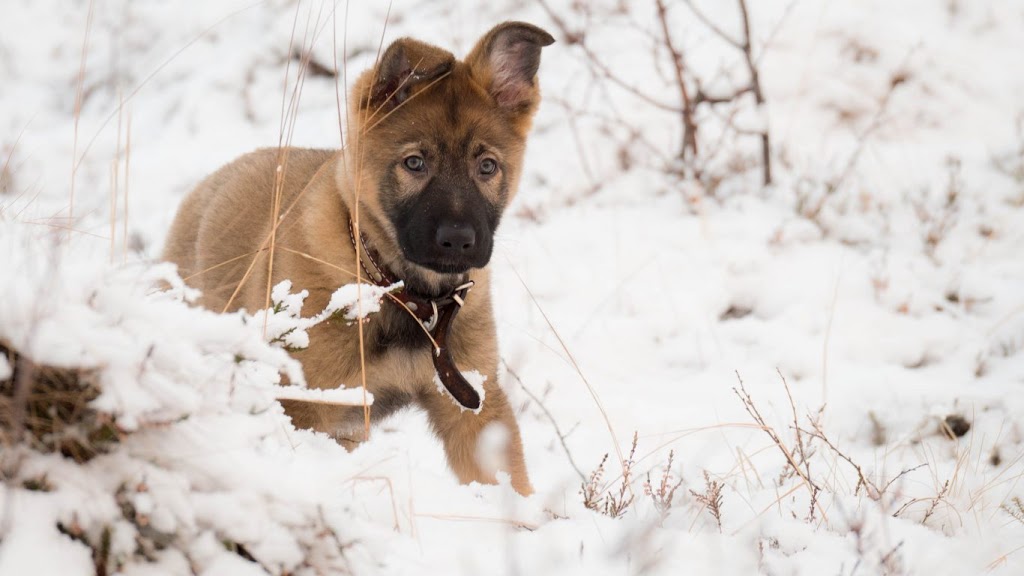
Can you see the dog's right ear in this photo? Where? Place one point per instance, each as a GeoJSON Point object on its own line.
{"type": "Point", "coordinates": [406, 67]}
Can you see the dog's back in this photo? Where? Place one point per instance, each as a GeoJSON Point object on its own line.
{"type": "Point", "coordinates": [223, 227]}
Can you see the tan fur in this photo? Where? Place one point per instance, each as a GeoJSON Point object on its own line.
{"type": "Point", "coordinates": [221, 236]}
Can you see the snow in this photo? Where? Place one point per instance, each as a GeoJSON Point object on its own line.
{"type": "Point", "coordinates": [884, 304]}
{"type": "Point", "coordinates": [347, 396]}
{"type": "Point", "coordinates": [284, 324]}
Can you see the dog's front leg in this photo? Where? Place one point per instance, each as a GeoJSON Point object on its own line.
{"type": "Point", "coordinates": [461, 433]}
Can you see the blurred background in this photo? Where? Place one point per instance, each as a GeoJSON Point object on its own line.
{"type": "Point", "coordinates": [826, 192]}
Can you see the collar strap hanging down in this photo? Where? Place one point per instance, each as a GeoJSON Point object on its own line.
{"type": "Point", "coordinates": [435, 315]}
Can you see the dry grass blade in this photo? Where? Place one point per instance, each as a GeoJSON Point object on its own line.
{"type": "Point", "coordinates": [358, 245]}
{"type": "Point", "coordinates": [127, 173]}
{"type": "Point", "coordinates": [288, 122]}
{"type": "Point", "coordinates": [391, 493]}
{"type": "Point", "coordinates": [79, 96]}
{"type": "Point", "coordinates": [465, 518]}
{"type": "Point", "coordinates": [7, 170]}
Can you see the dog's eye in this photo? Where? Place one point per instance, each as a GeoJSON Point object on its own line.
{"type": "Point", "coordinates": [488, 166]}
{"type": "Point", "coordinates": [414, 163]}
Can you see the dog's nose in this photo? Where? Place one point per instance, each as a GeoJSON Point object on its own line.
{"type": "Point", "coordinates": [455, 237]}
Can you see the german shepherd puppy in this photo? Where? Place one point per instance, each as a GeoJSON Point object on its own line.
{"type": "Point", "coordinates": [433, 156]}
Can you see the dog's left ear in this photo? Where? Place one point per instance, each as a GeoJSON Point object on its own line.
{"type": "Point", "coordinates": [505, 62]}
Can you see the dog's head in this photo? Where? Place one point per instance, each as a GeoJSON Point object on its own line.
{"type": "Point", "coordinates": [435, 148]}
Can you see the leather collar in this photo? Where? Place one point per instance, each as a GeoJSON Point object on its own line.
{"type": "Point", "coordinates": [435, 315]}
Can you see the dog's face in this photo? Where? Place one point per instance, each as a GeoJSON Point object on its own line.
{"type": "Point", "coordinates": [439, 146]}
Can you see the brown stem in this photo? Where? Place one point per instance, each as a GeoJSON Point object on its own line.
{"type": "Point", "coordinates": [755, 86]}
{"type": "Point", "coordinates": [689, 126]}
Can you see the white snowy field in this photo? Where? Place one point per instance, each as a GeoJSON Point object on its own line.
{"type": "Point", "coordinates": [873, 294]}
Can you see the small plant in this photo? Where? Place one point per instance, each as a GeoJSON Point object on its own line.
{"type": "Point", "coordinates": [665, 492]}
{"type": "Point", "coordinates": [931, 507]}
{"type": "Point", "coordinates": [603, 500]}
{"type": "Point", "coordinates": [711, 498]}
{"type": "Point", "coordinates": [591, 489]}
{"type": "Point", "coordinates": [935, 502]}
{"type": "Point", "coordinates": [1016, 511]}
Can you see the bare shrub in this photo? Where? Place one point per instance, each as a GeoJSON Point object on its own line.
{"type": "Point", "coordinates": [47, 409]}
{"type": "Point", "coordinates": [709, 159]}
{"type": "Point", "coordinates": [813, 196]}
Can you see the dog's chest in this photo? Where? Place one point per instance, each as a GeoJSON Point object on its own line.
{"type": "Point", "coordinates": [395, 329]}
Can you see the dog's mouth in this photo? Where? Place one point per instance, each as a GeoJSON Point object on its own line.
{"type": "Point", "coordinates": [432, 278]}
{"type": "Point", "coordinates": [445, 266]}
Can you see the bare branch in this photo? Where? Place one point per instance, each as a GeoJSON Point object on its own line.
{"type": "Point", "coordinates": [712, 26]}
{"type": "Point", "coordinates": [689, 127]}
{"type": "Point", "coordinates": [574, 38]}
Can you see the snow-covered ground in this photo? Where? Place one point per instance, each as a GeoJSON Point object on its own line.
{"type": "Point", "coordinates": [880, 278]}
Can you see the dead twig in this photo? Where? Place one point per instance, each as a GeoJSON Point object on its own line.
{"type": "Point", "coordinates": [550, 417]}
{"type": "Point", "coordinates": [748, 404]}
{"type": "Point", "coordinates": [679, 67]}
